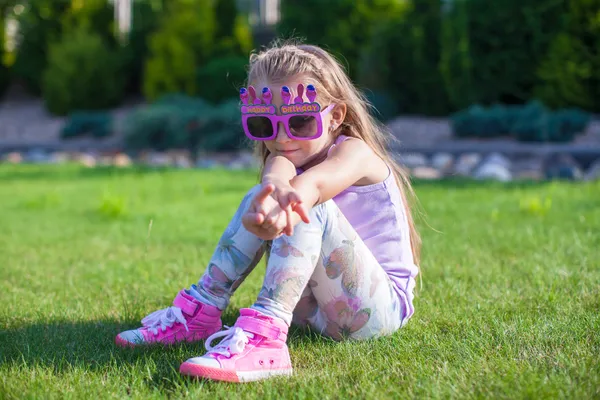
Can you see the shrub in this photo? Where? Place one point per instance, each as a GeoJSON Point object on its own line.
{"type": "Point", "coordinates": [4, 71]}
{"type": "Point", "coordinates": [403, 59]}
{"type": "Point", "coordinates": [507, 40]}
{"type": "Point", "coordinates": [39, 25]}
{"type": "Point", "coordinates": [342, 27]}
{"type": "Point", "coordinates": [531, 126]}
{"type": "Point", "coordinates": [183, 43]}
{"type": "Point", "coordinates": [135, 51]}
{"type": "Point", "coordinates": [181, 122]}
{"type": "Point", "coordinates": [83, 73]}
{"type": "Point", "coordinates": [93, 16]}
{"type": "Point", "coordinates": [532, 122]}
{"type": "Point", "coordinates": [570, 73]}
{"type": "Point", "coordinates": [385, 107]}
{"type": "Point", "coordinates": [219, 79]}
{"type": "Point", "coordinates": [166, 124]}
{"type": "Point", "coordinates": [4, 79]}
{"type": "Point", "coordinates": [223, 131]}
{"type": "Point", "coordinates": [96, 124]}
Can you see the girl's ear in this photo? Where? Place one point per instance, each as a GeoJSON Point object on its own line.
{"type": "Point", "coordinates": [338, 114]}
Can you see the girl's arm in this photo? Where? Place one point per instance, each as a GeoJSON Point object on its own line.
{"type": "Point", "coordinates": [346, 164]}
{"type": "Point", "coordinates": [278, 168]}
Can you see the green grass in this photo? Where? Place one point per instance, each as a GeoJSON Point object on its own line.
{"type": "Point", "coordinates": [509, 306]}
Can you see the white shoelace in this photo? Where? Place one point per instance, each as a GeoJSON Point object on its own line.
{"type": "Point", "coordinates": [234, 342]}
{"type": "Point", "coordinates": [164, 319]}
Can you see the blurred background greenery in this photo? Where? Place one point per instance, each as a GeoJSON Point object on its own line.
{"type": "Point", "coordinates": [523, 68]}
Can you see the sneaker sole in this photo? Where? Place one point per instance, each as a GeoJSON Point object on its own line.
{"type": "Point", "coordinates": [124, 343]}
{"type": "Point", "coordinates": [119, 341]}
{"type": "Point", "coordinates": [201, 371]}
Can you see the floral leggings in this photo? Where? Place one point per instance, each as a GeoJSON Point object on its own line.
{"type": "Point", "coordinates": [323, 275]}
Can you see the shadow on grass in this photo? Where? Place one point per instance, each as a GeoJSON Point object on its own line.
{"type": "Point", "coordinates": [65, 346]}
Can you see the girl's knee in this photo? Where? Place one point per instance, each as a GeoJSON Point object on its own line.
{"type": "Point", "coordinates": [324, 211]}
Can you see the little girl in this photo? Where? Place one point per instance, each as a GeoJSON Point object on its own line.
{"type": "Point", "coordinates": [331, 214]}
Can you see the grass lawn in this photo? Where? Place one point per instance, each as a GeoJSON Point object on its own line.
{"type": "Point", "coordinates": [509, 305]}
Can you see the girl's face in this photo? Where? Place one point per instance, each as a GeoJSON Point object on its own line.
{"type": "Point", "coordinates": [302, 153]}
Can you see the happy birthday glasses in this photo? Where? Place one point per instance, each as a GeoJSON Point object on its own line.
{"type": "Point", "coordinates": [301, 120]}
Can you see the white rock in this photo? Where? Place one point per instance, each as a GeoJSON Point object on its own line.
{"type": "Point", "coordinates": [59, 157]}
{"type": "Point", "coordinates": [413, 160]}
{"type": "Point", "coordinates": [593, 172]}
{"type": "Point", "coordinates": [494, 172]}
{"type": "Point", "coordinates": [87, 160]}
{"type": "Point", "coordinates": [466, 163]}
{"type": "Point", "coordinates": [122, 160]}
{"type": "Point", "coordinates": [14, 158]}
{"type": "Point", "coordinates": [442, 161]}
{"type": "Point", "coordinates": [497, 158]}
{"type": "Point", "coordinates": [426, 173]}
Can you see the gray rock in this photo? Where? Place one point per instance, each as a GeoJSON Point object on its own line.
{"type": "Point", "coordinates": [59, 157]}
{"type": "Point", "coordinates": [492, 171]}
{"type": "Point", "coordinates": [497, 158]}
{"type": "Point", "coordinates": [37, 156]}
{"type": "Point", "coordinates": [13, 158]}
{"type": "Point", "coordinates": [206, 163]}
{"type": "Point", "coordinates": [412, 160]}
{"type": "Point", "coordinates": [593, 172]}
{"type": "Point", "coordinates": [182, 161]}
{"type": "Point", "coordinates": [87, 160]}
{"type": "Point", "coordinates": [426, 173]}
{"type": "Point", "coordinates": [155, 159]}
{"type": "Point", "coordinates": [235, 165]}
{"type": "Point", "coordinates": [562, 166]}
{"type": "Point", "coordinates": [528, 169]}
{"type": "Point", "coordinates": [466, 163]}
{"type": "Point", "coordinates": [442, 161]}
{"type": "Point", "coordinates": [248, 160]}
{"type": "Point", "coordinates": [122, 160]}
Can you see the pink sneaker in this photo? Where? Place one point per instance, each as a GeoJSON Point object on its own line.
{"type": "Point", "coordinates": [254, 349]}
{"type": "Point", "coordinates": [187, 320]}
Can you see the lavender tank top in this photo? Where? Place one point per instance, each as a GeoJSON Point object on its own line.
{"type": "Point", "coordinates": [378, 215]}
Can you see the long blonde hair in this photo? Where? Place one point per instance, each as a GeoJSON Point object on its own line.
{"type": "Point", "coordinates": [286, 59]}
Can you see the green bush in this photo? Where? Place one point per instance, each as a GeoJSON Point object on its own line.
{"type": "Point", "coordinates": [506, 42]}
{"type": "Point", "coordinates": [531, 126]}
{"type": "Point", "coordinates": [385, 107]}
{"type": "Point", "coordinates": [565, 124]}
{"type": "Point", "coordinates": [82, 74]}
{"type": "Point", "coordinates": [343, 27]}
{"type": "Point", "coordinates": [531, 122]}
{"type": "Point", "coordinates": [219, 79]}
{"type": "Point", "coordinates": [96, 124]}
{"type": "Point", "coordinates": [135, 51]}
{"type": "Point", "coordinates": [233, 35]}
{"type": "Point", "coordinates": [4, 70]}
{"type": "Point", "coordinates": [92, 16]}
{"type": "Point", "coordinates": [169, 123]}
{"type": "Point", "coordinates": [456, 65]}
{"type": "Point", "coordinates": [479, 122]}
{"type": "Point", "coordinates": [403, 56]}
{"type": "Point", "coordinates": [570, 73]}
{"type": "Point", "coordinates": [223, 131]}
{"type": "Point", "coordinates": [183, 43]}
{"type": "Point", "coordinates": [4, 79]}
{"type": "Point", "coordinates": [39, 25]}
{"type": "Point", "coordinates": [177, 121]}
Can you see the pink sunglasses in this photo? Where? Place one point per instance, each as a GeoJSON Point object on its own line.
{"type": "Point", "coordinates": [302, 121]}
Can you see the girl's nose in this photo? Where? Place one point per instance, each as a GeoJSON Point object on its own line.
{"type": "Point", "coordinates": [282, 136]}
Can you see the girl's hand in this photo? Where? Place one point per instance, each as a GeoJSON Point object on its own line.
{"type": "Point", "coordinates": [264, 217]}
{"type": "Point", "coordinates": [289, 200]}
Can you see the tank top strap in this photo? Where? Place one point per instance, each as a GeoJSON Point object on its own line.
{"type": "Point", "coordinates": [338, 140]}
